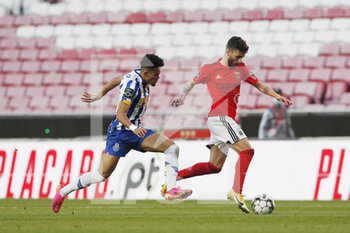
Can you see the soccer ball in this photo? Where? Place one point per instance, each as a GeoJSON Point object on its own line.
{"type": "Point", "coordinates": [263, 204]}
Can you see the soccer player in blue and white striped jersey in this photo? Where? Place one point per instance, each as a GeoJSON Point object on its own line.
{"type": "Point", "coordinates": [126, 132]}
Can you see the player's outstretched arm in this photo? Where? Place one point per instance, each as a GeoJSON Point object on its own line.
{"type": "Point", "coordinates": [89, 98]}
{"type": "Point", "coordinates": [188, 87]}
{"type": "Point", "coordinates": [123, 108]}
{"type": "Point", "coordinates": [267, 90]}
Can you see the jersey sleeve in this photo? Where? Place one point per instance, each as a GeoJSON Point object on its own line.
{"type": "Point", "coordinates": [128, 90]}
{"type": "Point", "coordinates": [249, 75]}
{"type": "Point", "coordinates": [202, 76]}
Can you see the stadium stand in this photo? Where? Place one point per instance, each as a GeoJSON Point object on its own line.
{"type": "Point", "coordinates": [302, 47]}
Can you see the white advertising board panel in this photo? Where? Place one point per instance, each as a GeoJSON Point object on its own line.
{"type": "Point", "coordinates": [287, 170]}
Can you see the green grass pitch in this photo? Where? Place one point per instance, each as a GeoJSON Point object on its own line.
{"type": "Point", "coordinates": [85, 216]}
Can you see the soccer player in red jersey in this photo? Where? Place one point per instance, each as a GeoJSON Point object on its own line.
{"type": "Point", "coordinates": [223, 79]}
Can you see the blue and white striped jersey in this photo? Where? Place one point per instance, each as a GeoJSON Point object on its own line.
{"type": "Point", "coordinates": [135, 92]}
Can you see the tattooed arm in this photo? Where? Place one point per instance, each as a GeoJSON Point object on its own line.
{"type": "Point", "coordinates": [267, 90]}
{"type": "Point", "coordinates": [187, 88]}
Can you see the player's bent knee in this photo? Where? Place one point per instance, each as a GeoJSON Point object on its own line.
{"type": "Point", "coordinates": [174, 149]}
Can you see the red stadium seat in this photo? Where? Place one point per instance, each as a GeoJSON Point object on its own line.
{"type": "Point", "coordinates": [19, 104]}
{"type": "Point", "coordinates": [335, 12]}
{"type": "Point", "coordinates": [275, 14]}
{"type": "Point", "coordinates": [29, 54]}
{"type": "Point", "coordinates": [35, 91]}
{"type": "Point", "coordinates": [172, 64]}
{"type": "Point", "coordinates": [158, 17]}
{"type": "Point", "coordinates": [261, 74]}
{"type": "Point", "coordinates": [75, 90]}
{"type": "Point", "coordinates": [264, 102]}
{"type": "Point", "coordinates": [52, 79]}
{"type": "Point", "coordinates": [211, 16]}
{"type": "Point", "coordinates": [69, 54]}
{"type": "Point", "coordinates": [11, 67]}
{"type": "Point", "coordinates": [59, 19]}
{"type": "Point", "coordinates": [45, 42]}
{"type": "Point", "coordinates": [48, 54]}
{"type": "Point", "coordinates": [330, 49]}
{"type": "Point", "coordinates": [128, 52]}
{"type": "Point", "coordinates": [8, 43]}
{"type": "Point", "coordinates": [127, 65]}
{"type": "Point", "coordinates": [247, 102]}
{"type": "Point", "coordinates": [15, 91]}
{"type": "Point", "coordinates": [98, 18]}
{"type": "Point", "coordinates": [293, 62]}
{"type": "Point", "coordinates": [70, 66]}
{"type": "Point", "coordinates": [33, 79]}
{"type": "Point", "coordinates": [233, 15]}
{"type": "Point", "coordinates": [190, 64]}
{"type": "Point", "coordinates": [72, 78]}
{"type": "Point", "coordinates": [30, 66]}
{"type": "Point", "coordinates": [7, 32]}
{"type": "Point", "coordinates": [345, 49]}
{"type": "Point", "coordinates": [299, 102]}
{"type": "Point", "coordinates": [41, 20]}
{"type": "Point", "coordinates": [60, 104]}
{"type": "Point", "coordinates": [314, 62]}
{"type": "Point", "coordinates": [345, 98]}
{"type": "Point", "coordinates": [173, 76]}
{"type": "Point", "coordinates": [13, 79]}
{"type": "Point", "coordinates": [277, 75]}
{"type": "Point", "coordinates": [336, 61]}
{"type": "Point", "coordinates": [299, 75]}
{"type": "Point", "coordinates": [253, 62]}
{"type": "Point", "coordinates": [88, 66]}
{"type": "Point", "coordinates": [342, 75]}
{"type": "Point", "coordinates": [23, 20]}
{"type": "Point", "coordinates": [173, 17]}
{"type": "Point", "coordinates": [7, 21]}
{"type": "Point", "coordinates": [50, 66]}
{"type": "Point", "coordinates": [27, 43]}
{"type": "Point", "coordinates": [286, 87]}
{"type": "Point", "coordinates": [117, 18]}
{"type": "Point", "coordinates": [55, 91]}
{"type": "Point", "coordinates": [195, 16]}
{"type": "Point", "coordinates": [112, 65]}
{"type": "Point", "coordinates": [335, 90]}
{"type": "Point", "coordinates": [272, 63]}
{"type": "Point", "coordinates": [87, 53]}
{"type": "Point", "coordinates": [320, 75]}
{"type": "Point", "coordinates": [253, 15]}
{"type": "Point", "coordinates": [10, 54]}
{"type": "Point", "coordinates": [79, 19]}
{"type": "Point", "coordinates": [314, 13]}
{"type": "Point", "coordinates": [308, 89]}
{"type": "Point", "coordinates": [136, 18]}
{"type": "Point", "coordinates": [39, 103]}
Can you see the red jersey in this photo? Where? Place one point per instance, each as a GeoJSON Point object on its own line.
{"type": "Point", "coordinates": [224, 84]}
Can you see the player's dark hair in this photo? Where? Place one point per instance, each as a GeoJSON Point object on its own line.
{"type": "Point", "coordinates": [151, 61]}
{"type": "Point", "coordinates": [237, 42]}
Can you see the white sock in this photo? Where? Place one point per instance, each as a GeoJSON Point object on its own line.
{"type": "Point", "coordinates": [82, 181]}
{"type": "Point", "coordinates": [171, 165]}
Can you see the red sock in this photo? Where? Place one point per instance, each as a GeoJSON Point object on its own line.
{"type": "Point", "coordinates": [197, 170]}
{"type": "Point", "coordinates": [241, 169]}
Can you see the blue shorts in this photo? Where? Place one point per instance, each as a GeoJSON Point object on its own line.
{"type": "Point", "coordinates": [120, 142]}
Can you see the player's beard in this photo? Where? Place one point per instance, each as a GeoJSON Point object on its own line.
{"type": "Point", "coordinates": [230, 62]}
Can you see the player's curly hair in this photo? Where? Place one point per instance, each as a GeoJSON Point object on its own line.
{"type": "Point", "coordinates": [237, 42]}
{"type": "Point", "coordinates": [151, 61]}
